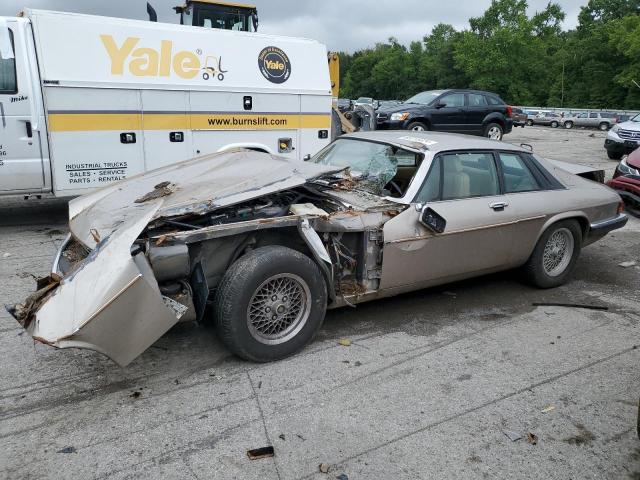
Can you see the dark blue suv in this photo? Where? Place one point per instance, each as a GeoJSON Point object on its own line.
{"type": "Point", "coordinates": [457, 111]}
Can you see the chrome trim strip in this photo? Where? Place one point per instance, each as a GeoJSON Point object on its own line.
{"type": "Point", "coordinates": [56, 260]}
{"type": "Point", "coordinates": [465, 230]}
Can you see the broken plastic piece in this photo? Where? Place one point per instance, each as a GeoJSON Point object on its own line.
{"type": "Point", "coordinates": [344, 342]}
{"type": "Point", "coordinates": [258, 453]}
{"type": "Point", "coordinates": [513, 436]}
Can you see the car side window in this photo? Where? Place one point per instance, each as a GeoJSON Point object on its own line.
{"type": "Point", "coordinates": [476, 100]}
{"type": "Point", "coordinates": [593, 115]}
{"type": "Point", "coordinates": [8, 81]}
{"type": "Point", "coordinates": [453, 100]}
{"type": "Point", "coordinates": [430, 190]}
{"type": "Point", "coordinates": [466, 175]}
{"type": "Point", "coordinates": [517, 176]}
{"type": "Point", "coordinates": [582, 115]}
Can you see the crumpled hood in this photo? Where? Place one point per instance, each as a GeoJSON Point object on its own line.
{"type": "Point", "coordinates": [191, 187]}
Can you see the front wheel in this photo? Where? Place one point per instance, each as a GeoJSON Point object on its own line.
{"type": "Point", "coordinates": [417, 127]}
{"type": "Point", "coordinates": [530, 123]}
{"type": "Point", "coordinates": [270, 304]}
{"type": "Point", "coordinates": [568, 125]}
{"type": "Point", "coordinates": [554, 124]}
{"type": "Point", "coordinates": [555, 255]}
{"type": "Point", "coordinates": [614, 155]}
{"type": "Point", "coordinates": [493, 131]}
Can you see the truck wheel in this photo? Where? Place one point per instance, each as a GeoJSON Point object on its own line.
{"type": "Point", "coordinates": [417, 127]}
{"type": "Point", "coordinates": [568, 125]}
{"type": "Point", "coordinates": [270, 304]}
{"type": "Point", "coordinates": [603, 126]}
{"type": "Point", "coordinates": [554, 124]}
{"type": "Point", "coordinates": [493, 131]}
{"type": "Point", "coordinates": [555, 255]}
{"type": "Point", "coordinates": [614, 155]}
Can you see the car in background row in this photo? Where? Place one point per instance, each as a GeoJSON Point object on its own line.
{"type": "Point", "coordinates": [626, 180]}
{"type": "Point", "coordinates": [519, 117]}
{"type": "Point", "coordinates": [623, 138]}
{"type": "Point", "coordinates": [456, 111]}
{"type": "Point", "coordinates": [365, 101]}
{"type": "Point", "coordinates": [549, 119]}
{"type": "Point", "coordinates": [344, 105]}
{"type": "Point", "coordinates": [601, 120]}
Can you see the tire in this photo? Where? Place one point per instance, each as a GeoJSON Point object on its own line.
{"type": "Point", "coordinates": [417, 127]}
{"type": "Point", "coordinates": [614, 155]}
{"type": "Point", "coordinates": [270, 270]}
{"type": "Point", "coordinates": [567, 232]}
{"type": "Point", "coordinates": [494, 131]}
{"type": "Point", "coordinates": [530, 123]}
{"type": "Point", "coordinates": [568, 125]}
{"type": "Point", "coordinates": [554, 124]}
{"type": "Point", "coordinates": [603, 127]}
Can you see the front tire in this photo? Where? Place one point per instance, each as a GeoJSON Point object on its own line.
{"type": "Point", "coordinates": [530, 123]}
{"type": "Point", "coordinates": [568, 125]}
{"type": "Point", "coordinates": [494, 131]}
{"type": "Point", "coordinates": [555, 255]}
{"type": "Point", "coordinates": [270, 304]}
{"type": "Point", "coordinates": [554, 124]}
{"type": "Point", "coordinates": [417, 127]}
{"type": "Point", "coordinates": [614, 155]}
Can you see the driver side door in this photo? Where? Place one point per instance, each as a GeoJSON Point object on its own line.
{"type": "Point", "coordinates": [450, 117]}
{"type": "Point", "coordinates": [464, 189]}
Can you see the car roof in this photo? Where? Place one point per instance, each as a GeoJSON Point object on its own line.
{"type": "Point", "coordinates": [432, 141]}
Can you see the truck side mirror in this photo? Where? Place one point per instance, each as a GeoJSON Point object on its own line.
{"type": "Point", "coordinates": [307, 157]}
{"type": "Point", "coordinates": [431, 220]}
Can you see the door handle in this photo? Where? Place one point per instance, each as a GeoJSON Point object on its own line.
{"type": "Point", "coordinates": [29, 129]}
{"type": "Point", "coordinates": [498, 206]}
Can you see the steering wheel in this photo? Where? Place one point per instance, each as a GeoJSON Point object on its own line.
{"type": "Point", "coordinates": [396, 187]}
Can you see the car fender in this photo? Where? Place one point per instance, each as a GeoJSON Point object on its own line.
{"type": "Point", "coordinates": [574, 214]}
{"type": "Point", "coordinates": [493, 117]}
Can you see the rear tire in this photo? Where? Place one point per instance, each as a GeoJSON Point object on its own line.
{"type": "Point", "coordinates": [603, 127]}
{"type": "Point", "coordinates": [614, 155]}
{"type": "Point", "coordinates": [417, 127]}
{"type": "Point", "coordinates": [568, 125]}
{"type": "Point", "coordinates": [530, 123]}
{"type": "Point", "coordinates": [270, 304]}
{"type": "Point", "coordinates": [494, 131]}
{"type": "Point", "coordinates": [555, 255]}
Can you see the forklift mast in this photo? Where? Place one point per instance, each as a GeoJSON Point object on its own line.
{"type": "Point", "coordinates": [216, 14]}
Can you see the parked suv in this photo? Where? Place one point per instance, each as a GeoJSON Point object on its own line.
{"type": "Point", "coordinates": [549, 119]}
{"type": "Point", "coordinates": [457, 111]}
{"type": "Point", "coordinates": [623, 138]}
{"type": "Point", "coordinates": [602, 120]}
{"type": "Point", "coordinates": [519, 117]}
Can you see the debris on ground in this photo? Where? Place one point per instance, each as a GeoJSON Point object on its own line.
{"type": "Point", "coordinates": [513, 436]}
{"type": "Point", "coordinates": [628, 264]}
{"type": "Point", "coordinates": [583, 436]}
{"type": "Point", "coordinates": [548, 409]}
{"type": "Point", "coordinates": [571, 305]}
{"type": "Point", "coordinates": [344, 342]}
{"type": "Point", "coordinates": [342, 476]}
{"type": "Point", "coordinates": [259, 453]}
{"type": "Point", "coordinates": [6, 255]}
{"type": "Point", "coordinates": [532, 438]}
{"type": "Point", "coordinates": [68, 450]}
{"type": "Point", "coordinates": [136, 394]}
{"type": "Point", "coordinates": [281, 437]}
{"type": "Point", "coordinates": [324, 467]}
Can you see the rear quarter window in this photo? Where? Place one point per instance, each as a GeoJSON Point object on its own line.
{"type": "Point", "coordinates": [8, 81]}
{"type": "Point", "coordinates": [494, 100]}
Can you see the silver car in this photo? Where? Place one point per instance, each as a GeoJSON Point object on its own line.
{"type": "Point", "coordinates": [269, 244]}
{"type": "Point", "coordinates": [600, 120]}
{"type": "Point", "coordinates": [623, 138]}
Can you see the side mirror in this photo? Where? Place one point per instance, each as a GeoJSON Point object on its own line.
{"type": "Point", "coordinates": [307, 157]}
{"type": "Point", "coordinates": [440, 105]}
{"type": "Point", "coordinates": [432, 220]}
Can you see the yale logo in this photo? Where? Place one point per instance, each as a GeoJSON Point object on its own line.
{"type": "Point", "coordinates": [150, 62]}
{"type": "Point", "coordinates": [274, 65]}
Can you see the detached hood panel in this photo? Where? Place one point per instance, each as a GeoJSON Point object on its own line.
{"type": "Point", "coordinates": [195, 186]}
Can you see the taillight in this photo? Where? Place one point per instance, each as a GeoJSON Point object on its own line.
{"type": "Point", "coordinates": [620, 208]}
{"type": "Point", "coordinates": [509, 111]}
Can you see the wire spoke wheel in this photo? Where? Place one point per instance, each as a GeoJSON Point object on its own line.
{"type": "Point", "coordinates": [279, 309]}
{"type": "Point", "coordinates": [558, 252]}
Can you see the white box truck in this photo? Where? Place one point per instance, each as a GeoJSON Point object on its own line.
{"type": "Point", "coordinates": [87, 100]}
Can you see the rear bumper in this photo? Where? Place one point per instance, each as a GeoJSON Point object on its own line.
{"type": "Point", "coordinates": [600, 229]}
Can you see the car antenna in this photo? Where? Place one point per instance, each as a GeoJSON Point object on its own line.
{"type": "Point", "coordinates": [527, 146]}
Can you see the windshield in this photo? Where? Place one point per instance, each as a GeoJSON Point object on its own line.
{"type": "Point", "coordinates": [371, 165]}
{"type": "Point", "coordinates": [425, 98]}
{"type": "Point", "coordinates": [636, 118]}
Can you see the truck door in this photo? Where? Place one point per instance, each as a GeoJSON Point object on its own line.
{"type": "Point", "coordinates": [21, 161]}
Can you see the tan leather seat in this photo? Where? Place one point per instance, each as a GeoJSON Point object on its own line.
{"type": "Point", "coordinates": [456, 183]}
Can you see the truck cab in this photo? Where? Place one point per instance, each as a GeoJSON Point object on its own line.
{"type": "Point", "coordinates": [222, 15]}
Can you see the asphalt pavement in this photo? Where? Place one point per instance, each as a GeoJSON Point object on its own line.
{"type": "Point", "coordinates": [469, 380]}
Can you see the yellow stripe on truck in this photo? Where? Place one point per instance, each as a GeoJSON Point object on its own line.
{"type": "Point", "coordinates": [84, 122]}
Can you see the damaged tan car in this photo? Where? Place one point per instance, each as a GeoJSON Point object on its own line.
{"type": "Point", "coordinates": [265, 245]}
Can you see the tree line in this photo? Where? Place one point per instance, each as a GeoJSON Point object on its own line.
{"type": "Point", "coordinates": [527, 60]}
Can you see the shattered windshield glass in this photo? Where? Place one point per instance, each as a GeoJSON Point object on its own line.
{"type": "Point", "coordinates": [371, 166]}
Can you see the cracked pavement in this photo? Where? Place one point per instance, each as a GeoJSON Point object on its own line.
{"type": "Point", "coordinates": [428, 387]}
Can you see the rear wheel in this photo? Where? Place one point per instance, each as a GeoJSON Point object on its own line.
{"type": "Point", "coordinates": [270, 304]}
{"type": "Point", "coordinates": [417, 127]}
{"type": "Point", "coordinates": [530, 123]}
{"type": "Point", "coordinates": [603, 126]}
{"type": "Point", "coordinates": [568, 125]}
{"type": "Point", "coordinates": [555, 255]}
{"type": "Point", "coordinates": [493, 131]}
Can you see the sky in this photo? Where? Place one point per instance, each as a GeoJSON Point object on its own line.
{"type": "Point", "coordinates": [343, 25]}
